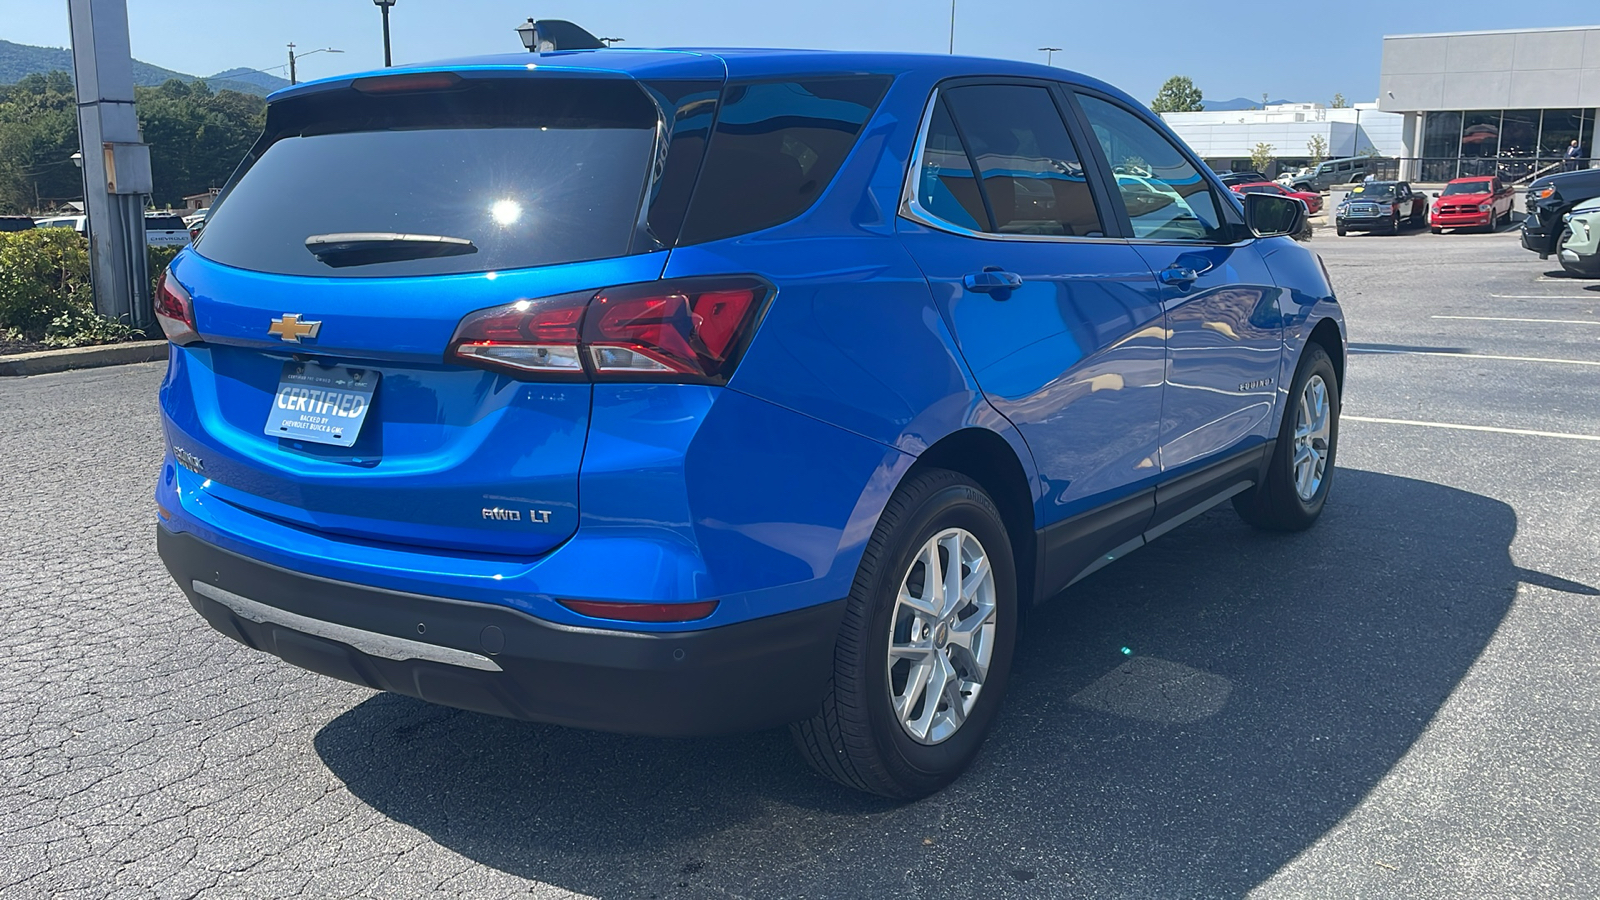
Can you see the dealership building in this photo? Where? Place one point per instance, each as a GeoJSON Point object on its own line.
{"type": "Point", "coordinates": [1449, 105]}
{"type": "Point", "coordinates": [1481, 102]}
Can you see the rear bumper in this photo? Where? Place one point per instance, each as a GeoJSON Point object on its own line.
{"type": "Point", "coordinates": [494, 659]}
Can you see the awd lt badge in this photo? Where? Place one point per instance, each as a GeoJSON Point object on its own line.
{"type": "Point", "coordinates": [291, 329]}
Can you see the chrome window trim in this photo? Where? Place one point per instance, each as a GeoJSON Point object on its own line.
{"type": "Point", "coordinates": [912, 210]}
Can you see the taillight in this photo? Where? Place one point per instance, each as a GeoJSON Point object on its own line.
{"type": "Point", "coordinates": [536, 337]}
{"type": "Point", "coordinates": [642, 612]}
{"type": "Point", "coordinates": [685, 330]}
{"type": "Point", "coordinates": [175, 311]}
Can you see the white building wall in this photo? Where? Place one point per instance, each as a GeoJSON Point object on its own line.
{"type": "Point", "coordinates": [1288, 127]}
{"type": "Point", "coordinates": [1533, 68]}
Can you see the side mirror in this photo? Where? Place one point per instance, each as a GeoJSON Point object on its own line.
{"type": "Point", "coordinates": [1273, 215]}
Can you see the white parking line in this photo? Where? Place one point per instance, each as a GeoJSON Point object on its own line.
{"type": "Point", "coordinates": [1544, 297]}
{"type": "Point", "coordinates": [1543, 359]}
{"type": "Point", "coordinates": [1521, 431]}
{"type": "Point", "coordinates": [1508, 319]}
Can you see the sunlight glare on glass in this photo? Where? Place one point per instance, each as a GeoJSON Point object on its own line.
{"type": "Point", "coordinates": [506, 212]}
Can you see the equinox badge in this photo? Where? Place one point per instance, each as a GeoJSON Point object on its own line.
{"type": "Point", "coordinates": [290, 328]}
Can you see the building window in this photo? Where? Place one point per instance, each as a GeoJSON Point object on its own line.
{"type": "Point", "coordinates": [1441, 146]}
{"type": "Point", "coordinates": [1515, 144]}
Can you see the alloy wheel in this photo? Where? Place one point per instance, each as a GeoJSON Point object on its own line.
{"type": "Point", "coordinates": [1313, 425]}
{"type": "Point", "coordinates": [941, 636]}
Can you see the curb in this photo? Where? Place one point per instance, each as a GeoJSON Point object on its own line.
{"type": "Point", "coordinates": [44, 361]}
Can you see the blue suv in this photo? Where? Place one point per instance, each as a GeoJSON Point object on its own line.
{"type": "Point", "coordinates": [686, 392]}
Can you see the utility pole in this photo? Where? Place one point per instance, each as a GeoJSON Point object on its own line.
{"type": "Point", "coordinates": [384, 5]}
{"type": "Point", "coordinates": [1050, 54]}
{"type": "Point", "coordinates": [952, 27]}
{"type": "Point", "coordinates": [116, 161]}
{"type": "Point", "coordinates": [292, 79]}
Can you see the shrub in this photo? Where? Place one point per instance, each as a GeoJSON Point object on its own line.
{"type": "Point", "coordinates": [44, 290]}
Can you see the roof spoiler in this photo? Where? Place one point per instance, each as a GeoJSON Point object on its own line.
{"type": "Point", "coordinates": [556, 34]}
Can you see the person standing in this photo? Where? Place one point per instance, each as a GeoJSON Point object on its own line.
{"type": "Point", "coordinates": [1569, 160]}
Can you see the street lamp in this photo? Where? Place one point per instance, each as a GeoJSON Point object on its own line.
{"type": "Point", "coordinates": [1050, 54]}
{"type": "Point", "coordinates": [384, 5]}
{"type": "Point", "coordinates": [609, 41]}
{"type": "Point", "coordinates": [293, 79]}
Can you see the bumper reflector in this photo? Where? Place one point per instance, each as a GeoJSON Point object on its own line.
{"type": "Point", "coordinates": [642, 612]}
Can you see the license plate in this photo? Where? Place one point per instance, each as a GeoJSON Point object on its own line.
{"type": "Point", "coordinates": [322, 404]}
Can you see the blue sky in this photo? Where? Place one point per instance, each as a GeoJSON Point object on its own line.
{"type": "Point", "coordinates": [1301, 52]}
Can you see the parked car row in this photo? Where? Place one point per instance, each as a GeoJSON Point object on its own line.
{"type": "Point", "coordinates": [1563, 212]}
{"type": "Point", "coordinates": [160, 229]}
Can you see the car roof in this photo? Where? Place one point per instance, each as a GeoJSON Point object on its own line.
{"type": "Point", "coordinates": [735, 63]}
{"type": "Point", "coordinates": [1471, 178]}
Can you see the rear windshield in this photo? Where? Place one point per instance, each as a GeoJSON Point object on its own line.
{"type": "Point", "coordinates": [1467, 187]}
{"type": "Point", "coordinates": [163, 223]}
{"type": "Point", "coordinates": [516, 174]}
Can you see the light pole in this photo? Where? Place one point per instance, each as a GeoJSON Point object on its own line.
{"type": "Point", "coordinates": [293, 78]}
{"type": "Point", "coordinates": [1050, 54]}
{"type": "Point", "coordinates": [609, 41]}
{"type": "Point", "coordinates": [384, 5]}
{"type": "Point", "coordinates": [952, 27]}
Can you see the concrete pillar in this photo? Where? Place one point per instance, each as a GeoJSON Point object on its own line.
{"type": "Point", "coordinates": [116, 161]}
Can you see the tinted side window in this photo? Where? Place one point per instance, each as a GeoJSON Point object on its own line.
{"type": "Point", "coordinates": [775, 148]}
{"type": "Point", "coordinates": [1165, 195]}
{"type": "Point", "coordinates": [1032, 176]}
{"type": "Point", "coordinates": [947, 186]}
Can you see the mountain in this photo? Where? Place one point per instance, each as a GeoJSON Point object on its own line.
{"type": "Point", "coordinates": [18, 61]}
{"type": "Point", "coordinates": [268, 83]}
{"type": "Point", "coordinates": [1236, 103]}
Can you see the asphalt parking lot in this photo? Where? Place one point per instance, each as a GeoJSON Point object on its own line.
{"type": "Point", "coordinates": [1400, 702]}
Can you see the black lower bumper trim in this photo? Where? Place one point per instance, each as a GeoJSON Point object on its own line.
{"type": "Point", "coordinates": [751, 675]}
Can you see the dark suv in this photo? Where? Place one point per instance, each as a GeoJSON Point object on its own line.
{"type": "Point", "coordinates": [1549, 199]}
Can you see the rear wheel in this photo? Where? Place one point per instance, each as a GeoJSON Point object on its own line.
{"type": "Point", "coordinates": [923, 655]}
{"type": "Point", "coordinates": [1300, 472]}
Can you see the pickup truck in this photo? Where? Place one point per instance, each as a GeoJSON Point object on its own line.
{"type": "Point", "coordinates": [1481, 201]}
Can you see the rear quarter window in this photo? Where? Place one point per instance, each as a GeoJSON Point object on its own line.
{"type": "Point", "coordinates": [775, 148]}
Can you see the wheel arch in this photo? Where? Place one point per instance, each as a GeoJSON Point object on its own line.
{"type": "Point", "coordinates": [987, 458]}
{"type": "Point", "coordinates": [1326, 335]}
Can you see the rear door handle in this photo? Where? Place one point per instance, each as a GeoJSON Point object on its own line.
{"type": "Point", "coordinates": [1179, 276]}
{"type": "Point", "coordinates": [991, 280]}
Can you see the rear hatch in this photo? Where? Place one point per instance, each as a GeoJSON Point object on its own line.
{"type": "Point", "coordinates": [334, 269]}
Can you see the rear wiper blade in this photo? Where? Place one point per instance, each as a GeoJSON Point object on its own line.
{"type": "Point", "coordinates": [362, 248]}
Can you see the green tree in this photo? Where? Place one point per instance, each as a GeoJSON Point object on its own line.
{"type": "Point", "coordinates": [196, 136]}
{"type": "Point", "coordinates": [1339, 102]}
{"type": "Point", "coordinates": [38, 135]}
{"type": "Point", "coordinates": [1317, 149]}
{"type": "Point", "coordinates": [1261, 157]}
{"type": "Point", "coordinates": [1178, 94]}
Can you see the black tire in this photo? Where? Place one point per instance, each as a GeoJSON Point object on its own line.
{"type": "Point", "coordinates": [855, 739]}
{"type": "Point", "coordinates": [1438, 230]}
{"type": "Point", "coordinates": [1339, 229]}
{"type": "Point", "coordinates": [1275, 504]}
{"type": "Point", "coordinates": [1394, 223]}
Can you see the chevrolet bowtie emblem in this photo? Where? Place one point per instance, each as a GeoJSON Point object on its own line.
{"type": "Point", "coordinates": [290, 328]}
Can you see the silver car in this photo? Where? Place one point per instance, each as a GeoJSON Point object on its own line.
{"type": "Point", "coordinates": [1580, 241]}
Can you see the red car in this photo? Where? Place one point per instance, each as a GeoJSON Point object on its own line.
{"type": "Point", "coordinates": [1312, 201]}
{"type": "Point", "coordinates": [1482, 201]}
